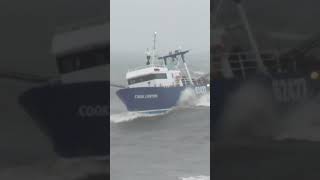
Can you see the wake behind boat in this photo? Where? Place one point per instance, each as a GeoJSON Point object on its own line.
{"type": "Point", "coordinates": [157, 86]}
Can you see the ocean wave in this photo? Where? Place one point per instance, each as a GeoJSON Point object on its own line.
{"type": "Point", "coordinates": [130, 116]}
{"type": "Point", "coordinates": [188, 98]}
{"type": "Point", "coordinates": [250, 112]}
{"type": "Point", "coordinates": [195, 178]}
{"type": "Point", "coordinates": [302, 123]}
{"type": "Point", "coordinates": [246, 115]}
{"type": "Point", "coordinates": [204, 100]}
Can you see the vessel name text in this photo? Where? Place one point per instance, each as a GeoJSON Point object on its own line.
{"type": "Point", "coordinates": [146, 96]}
{"type": "Point", "coordinates": [93, 110]}
{"type": "Point", "coordinates": [290, 90]}
{"type": "Point", "coordinates": [200, 89]}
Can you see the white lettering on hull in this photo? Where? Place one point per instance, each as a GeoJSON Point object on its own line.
{"type": "Point", "coordinates": [93, 111]}
{"type": "Point", "coordinates": [290, 90]}
{"type": "Point", "coordinates": [146, 96]}
{"type": "Point", "coordinates": [200, 90]}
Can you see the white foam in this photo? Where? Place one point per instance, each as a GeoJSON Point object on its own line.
{"type": "Point", "coordinates": [251, 111]}
{"type": "Point", "coordinates": [195, 178]}
{"type": "Point", "coordinates": [130, 116]}
{"type": "Point", "coordinates": [188, 98]}
{"type": "Point", "coordinates": [302, 123]}
{"type": "Point", "coordinates": [204, 100]}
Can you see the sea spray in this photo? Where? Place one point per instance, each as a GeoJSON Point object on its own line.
{"type": "Point", "coordinates": [188, 98]}
{"type": "Point", "coordinates": [204, 100]}
{"type": "Point", "coordinates": [302, 122]}
{"type": "Point", "coordinates": [250, 112]}
{"type": "Point", "coordinates": [130, 116]}
{"type": "Point", "coordinates": [195, 178]}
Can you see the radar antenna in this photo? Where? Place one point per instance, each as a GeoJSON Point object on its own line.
{"type": "Point", "coordinates": [154, 48]}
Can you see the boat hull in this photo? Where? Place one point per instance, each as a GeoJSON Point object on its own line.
{"type": "Point", "coordinates": [155, 99]}
{"type": "Point", "coordinates": [74, 116]}
{"type": "Point", "coordinates": [285, 90]}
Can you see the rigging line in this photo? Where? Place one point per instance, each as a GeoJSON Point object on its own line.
{"type": "Point", "coordinates": [216, 12]}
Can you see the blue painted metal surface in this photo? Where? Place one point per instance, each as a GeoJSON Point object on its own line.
{"type": "Point", "coordinates": [74, 116]}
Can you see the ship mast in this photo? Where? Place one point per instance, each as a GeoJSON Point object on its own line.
{"type": "Point", "coordinates": [253, 43]}
{"type": "Point", "coordinates": [154, 48]}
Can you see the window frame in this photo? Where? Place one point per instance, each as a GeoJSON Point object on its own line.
{"type": "Point", "coordinates": [148, 77]}
{"type": "Point", "coordinates": [66, 63]}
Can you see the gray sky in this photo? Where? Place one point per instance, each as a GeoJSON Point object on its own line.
{"type": "Point", "coordinates": [184, 23]}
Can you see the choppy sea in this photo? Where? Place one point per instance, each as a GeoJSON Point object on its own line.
{"type": "Point", "coordinates": [174, 145]}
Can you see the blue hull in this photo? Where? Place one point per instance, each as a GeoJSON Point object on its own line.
{"type": "Point", "coordinates": [74, 116]}
{"type": "Point", "coordinates": [287, 90]}
{"type": "Point", "coordinates": [152, 99]}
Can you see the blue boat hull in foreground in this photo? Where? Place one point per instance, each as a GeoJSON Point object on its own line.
{"type": "Point", "coordinates": [287, 90]}
{"type": "Point", "coordinates": [74, 116]}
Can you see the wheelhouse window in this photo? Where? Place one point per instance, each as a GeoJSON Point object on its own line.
{"type": "Point", "coordinates": [83, 60]}
{"type": "Point", "coordinates": [147, 78]}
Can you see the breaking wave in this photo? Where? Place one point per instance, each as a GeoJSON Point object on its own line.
{"type": "Point", "coordinates": [188, 98]}
{"type": "Point", "coordinates": [252, 112]}
{"type": "Point", "coordinates": [204, 100]}
{"type": "Point", "coordinates": [195, 178]}
{"type": "Point", "coordinates": [130, 116]}
{"type": "Point", "coordinates": [302, 123]}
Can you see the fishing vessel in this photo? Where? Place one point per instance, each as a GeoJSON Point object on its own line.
{"type": "Point", "coordinates": [157, 86]}
{"type": "Point", "coordinates": [291, 76]}
{"type": "Point", "coordinates": [73, 108]}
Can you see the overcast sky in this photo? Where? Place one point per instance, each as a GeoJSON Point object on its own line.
{"type": "Point", "coordinates": [184, 23]}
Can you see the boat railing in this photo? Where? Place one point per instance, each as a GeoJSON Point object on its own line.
{"type": "Point", "coordinates": [241, 62]}
{"type": "Point", "coordinates": [146, 66]}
